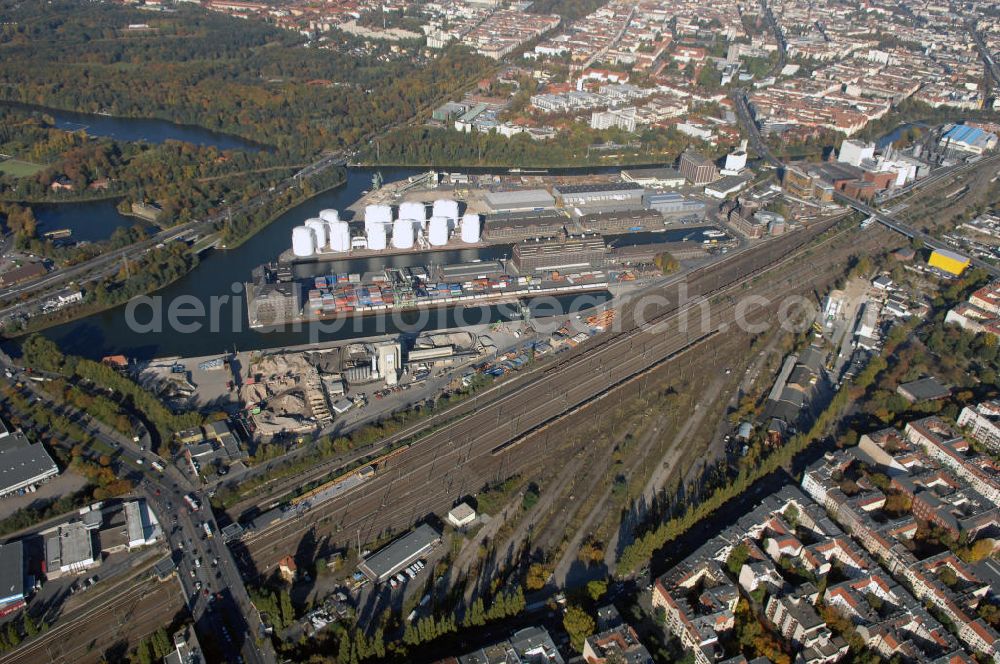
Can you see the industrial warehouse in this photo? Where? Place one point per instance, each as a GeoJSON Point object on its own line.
{"type": "Point", "coordinates": [23, 465]}
{"type": "Point", "coordinates": [397, 555]}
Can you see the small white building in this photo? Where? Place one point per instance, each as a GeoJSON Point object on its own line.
{"type": "Point", "coordinates": [141, 524]}
{"type": "Point", "coordinates": [461, 515]}
{"type": "Point", "coordinates": [388, 361]}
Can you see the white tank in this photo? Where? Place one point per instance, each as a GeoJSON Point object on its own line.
{"type": "Point", "coordinates": [446, 208]}
{"type": "Point", "coordinates": [437, 232]}
{"type": "Point", "coordinates": [303, 241]}
{"type": "Point", "coordinates": [329, 216]}
{"type": "Point", "coordinates": [470, 228]}
{"type": "Point", "coordinates": [413, 210]}
{"type": "Point", "coordinates": [340, 236]}
{"type": "Point", "coordinates": [318, 227]}
{"type": "Point", "coordinates": [402, 234]}
{"type": "Point", "coordinates": [376, 236]}
{"type": "Point", "coordinates": [377, 214]}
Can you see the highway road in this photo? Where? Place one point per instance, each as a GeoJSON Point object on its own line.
{"type": "Point", "coordinates": [212, 587]}
{"type": "Point", "coordinates": [990, 65]}
{"type": "Point", "coordinates": [779, 38]}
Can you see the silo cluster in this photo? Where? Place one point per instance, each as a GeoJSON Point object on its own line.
{"type": "Point", "coordinates": [328, 233]}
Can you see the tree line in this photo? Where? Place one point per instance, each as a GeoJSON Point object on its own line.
{"type": "Point", "coordinates": [42, 353]}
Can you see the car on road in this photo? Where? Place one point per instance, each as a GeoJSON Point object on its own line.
{"type": "Point", "coordinates": [400, 578]}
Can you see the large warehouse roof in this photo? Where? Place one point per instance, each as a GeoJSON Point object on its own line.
{"type": "Point", "coordinates": [22, 463]}
{"type": "Point", "coordinates": [11, 572]}
{"type": "Point", "coordinates": [595, 188]}
{"type": "Point", "coordinates": [399, 553]}
{"type": "Point", "coordinates": [525, 220]}
{"type": "Point", "coordinates": [525, 198]}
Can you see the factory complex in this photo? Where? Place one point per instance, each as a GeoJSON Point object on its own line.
{"type": "Point", "coordinates": [425, 214]}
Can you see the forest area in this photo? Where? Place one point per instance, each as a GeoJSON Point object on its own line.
{"type": "Point", "coordinates": [185, 180]}
{"type": "Point", "coordinates": [244, 78]}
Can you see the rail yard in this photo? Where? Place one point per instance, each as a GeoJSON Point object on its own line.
{"type": "Point", "coordinates": [460, 458]}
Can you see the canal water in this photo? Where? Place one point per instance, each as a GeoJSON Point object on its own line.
{"type": "Point", "coordinates": [215, 286]}
{"type": "Point", "coordinates": [137, 129]}
{"type": "Point", "coordinates": [89, 222]}
{"type": "Point", "coordinates": [888, 139]}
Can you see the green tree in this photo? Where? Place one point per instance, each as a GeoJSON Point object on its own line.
{"type": "Point", "coordinates": [287, 612]}
{"type": "Point", "coordinates": [737, 557]}
{"type": "Point", "coordinates": [579, 625]}
{"type": "Point", "coordinates": [666, 262]}
{"type": "Point", "coordinates": [538, 576]}
{"type": "Point", "coordinates": [596, 589]}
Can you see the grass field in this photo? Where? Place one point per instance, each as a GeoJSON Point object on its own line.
{"type": "Point", "coordinates": [18, 168]}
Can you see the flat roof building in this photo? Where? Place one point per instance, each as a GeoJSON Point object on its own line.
{"type": "Point", "coordinates": [925, 389]}
{"type": "Point", "coordinates": [461, 515]}
{"type": "Point", "coordinates": [723, 187]}
{"type": "Point", "coordinates": [948, 261]}
{"type": "Point", "coordinates": [622, 221]}
{"type": "Point", "coordinates": [11, 574]}
{"type": "Point", "coordinates": [520, 201]}
{"type": "Point", "coordinates": [141, 524]}
{"type": "Point", "coordinates": [471, 270]}
{"type": "Point", "coordinates": [656, 178]}
{"type": "Point", "coordinates": [603, 194]}
{"type": "Point", "coordinates": [676, 208]}
{"type": "Point", "coordinates": [520, 226]}
{"type": "Point", "coordinates": [400, 553]}
{"type": "Point", "coordinates": [23, 464]}
{"type": "Point", "coordinates": [187, 649]}
{"type": "Point", "coordinates": [69, 550]}
{"type": "Point", "coordinates": [570, 253]}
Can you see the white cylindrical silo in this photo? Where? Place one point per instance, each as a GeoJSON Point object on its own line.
{"type": "Point", "coordinates": [470, 228]}
{"type": "Point", "coordinates": [376, 236]}
{"type": "Point", "coordinates": [318, 227]}
{"type": "Point", "coordinates": [377, 214]}
{"type": "Point", "coordinates": [446, 208]}
{"type": "Point", "coordinates": [413, 210]}
{"type": "Point", "coordinates": [437, 232]}
{"type": "Point", "coordinates": [303, 241]}
{"type": "Point", "coordinates": [329, 216]}
{"type": "Point", "coordinates": [402, 234]}
{"type": "Point", "coordinates": [340, 236]}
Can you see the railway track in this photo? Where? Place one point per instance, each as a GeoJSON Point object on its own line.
{"type": "Point", "coordinates": [518, 381]}
{"type": "Point", "coordinates": [462, 457]}
{"type": "Point", "coordinates": [85, 636]}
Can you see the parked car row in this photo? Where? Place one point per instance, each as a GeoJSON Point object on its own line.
{"type": "Point", "coordinates": [410, 573]}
